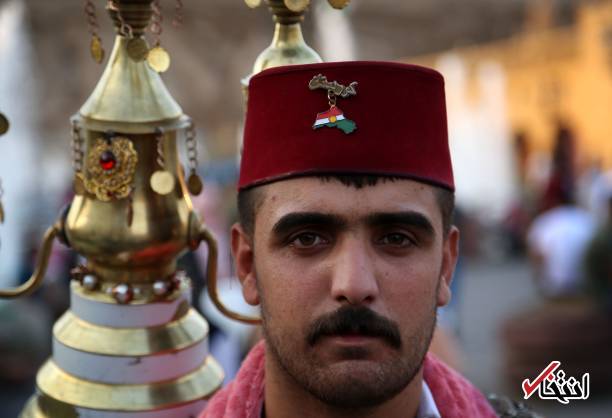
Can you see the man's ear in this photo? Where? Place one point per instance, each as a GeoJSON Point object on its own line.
{"type": "Point", "coordinates": [242, 250]}
{"type": "Point", "coordinates": [450, 252]}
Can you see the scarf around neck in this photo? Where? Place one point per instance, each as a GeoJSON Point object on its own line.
{"type": "Point", "coordinates": [454, 396]}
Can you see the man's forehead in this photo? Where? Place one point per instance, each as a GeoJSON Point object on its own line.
{"type": "Point", "coordinates": [330, 195]}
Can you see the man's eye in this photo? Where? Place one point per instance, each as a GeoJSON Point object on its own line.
{"type": "Point", "coordinates": [397, 239]}
{"type": "Point", "coordinates": [307, 240]}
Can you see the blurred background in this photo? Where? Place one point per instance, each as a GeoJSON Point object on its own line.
{"type": "Point", "coordinates": [529, 96]}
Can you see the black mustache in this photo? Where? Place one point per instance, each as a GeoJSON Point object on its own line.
{"type": "Point", "coordinates": [355, 320]}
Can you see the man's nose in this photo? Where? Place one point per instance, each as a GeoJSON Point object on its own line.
{"type": "Point", "coordinates": [353, 274]}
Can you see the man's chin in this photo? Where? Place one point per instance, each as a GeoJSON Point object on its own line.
{"type": "Point", "coordinates": [356, 384]}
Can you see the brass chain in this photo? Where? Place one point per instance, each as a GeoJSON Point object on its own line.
{"type": "Point", "coordinates": [156, 21]}
{"type": "Point", "coordinates": [192, 147]}
{"type": "Point", "coordinates": [331, 96]}
{"type": "Point", "coordinates": [177, 22]}
{"type": "Point", "coordinates": [95, 45]}
{"type": "Point", "coordinates": [92, 20]}
{"type": "Point", "coordinates": [77, 148]}
{"type": "Point", "coordinates": [159, 137]}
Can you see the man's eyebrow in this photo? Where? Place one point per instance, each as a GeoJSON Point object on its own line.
{"type": "Point", "coordinates": [409, 218]}
{"type": "Point", "coordinates": [297, 219]}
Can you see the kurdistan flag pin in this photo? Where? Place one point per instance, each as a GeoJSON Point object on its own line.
{"type": "Point", "coordinates": [334, 117]}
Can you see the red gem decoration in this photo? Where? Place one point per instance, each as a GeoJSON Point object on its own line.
{"type": "Point", "coordinates": [108, 160]}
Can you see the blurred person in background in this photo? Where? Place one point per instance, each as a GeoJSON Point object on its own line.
{"type": "Point", "coordinates": [561, 182]}
{"type": "Point", "coordinates": [557, 241]}
{"type": "Point", "coordinates": [558, 236]}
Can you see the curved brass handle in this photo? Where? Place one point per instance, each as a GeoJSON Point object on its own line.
{"type": "Point", "coordinates": [42, 261]}
{"type": "Point", "coordinates": [211, 275]}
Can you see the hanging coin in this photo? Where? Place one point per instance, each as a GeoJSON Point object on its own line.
{"type": "Point", "coordinates": [79, 185]}
{"type": "Point", "coordinates": [339, 4]}
{"type": "Point", "coordinates": [137, 49]}
{"type": "Point", "coordinates": [4, 124]}
{"type": "Point", "coordinates": [297, 5]}
{"type": "Point", "coordinates": [162, 182]}
{"type": "Point", "coordinates": [252, 3]}
{"type": "Point", "coordinates": [194, 184]}
{"type": "Point", "coordinates": [158, 59]}
{"type": "Point", "coordinates": [95, 46]}
{"type": "Point", "coordinates": [96, 49]}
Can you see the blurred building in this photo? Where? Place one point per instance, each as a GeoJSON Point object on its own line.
{"type": "Point", "coordinates": [508, 97]}
{"type": "Point", "coordinates": [48, 74]}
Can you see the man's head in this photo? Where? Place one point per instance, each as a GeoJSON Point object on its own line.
{"type": "Point", "coordinates": [348, 278]}
{"type": "Point", "coordinates": [350, 249]}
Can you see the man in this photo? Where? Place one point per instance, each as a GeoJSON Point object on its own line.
{"type": "Point", "coordinates": [557, 241]}
{"type": "Point", "coordinates": [346, 243]}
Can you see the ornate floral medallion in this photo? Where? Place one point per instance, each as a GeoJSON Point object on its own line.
{"type": "Point", "coordinates": [110, 168]}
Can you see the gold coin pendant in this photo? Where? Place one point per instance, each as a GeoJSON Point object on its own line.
{"type": "Point", "coordinates": [96, 49]}
{"type": "Point", "coordinates": [339, 4]}
{"type": "Point", "coordinates": [137, 49]}
{"type": "Point", "coordinates": [158, 59]}
{"type": "Point", "coordinates": [297, 5]}
{"type": "Point", "coordinates": [194, 184]}
{"type": "Point", "coordinates": [162, 182]}
{"type": "Point", "coordinates": [252, 3]}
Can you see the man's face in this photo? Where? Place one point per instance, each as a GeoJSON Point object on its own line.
{"type": "Point", "coordinates": [348, 281]}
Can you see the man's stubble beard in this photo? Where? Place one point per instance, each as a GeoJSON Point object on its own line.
{"type": "Point", "coordinates": [347, 385]}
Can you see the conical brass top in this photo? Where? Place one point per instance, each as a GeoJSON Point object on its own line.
{"type": "Point", "coordinates": [129, 91]}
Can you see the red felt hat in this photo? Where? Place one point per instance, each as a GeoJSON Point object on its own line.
{"type": "Point", "coordinates": [394, 124]}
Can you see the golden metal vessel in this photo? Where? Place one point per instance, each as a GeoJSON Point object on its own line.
{"type": "Point", "coordinates": [288, 46]}
{"type": "Point", "coordinates": [130, 345]}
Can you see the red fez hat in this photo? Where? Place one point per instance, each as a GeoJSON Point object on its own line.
{"type": "Point", "coordinates": [375, 118]}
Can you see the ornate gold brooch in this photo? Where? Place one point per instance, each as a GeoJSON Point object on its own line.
{"type": "Point", "coordinates": [111, 165]}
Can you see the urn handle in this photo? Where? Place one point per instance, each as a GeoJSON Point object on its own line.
{"type": "Point", "coordinates": [199, 233]}
{"type": "Point", "coordinates": [42, 261]}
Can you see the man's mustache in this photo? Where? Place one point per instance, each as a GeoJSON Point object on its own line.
{"type": "Point", "coordinates": [355, 320]}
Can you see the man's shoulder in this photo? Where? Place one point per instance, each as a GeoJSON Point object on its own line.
{"type": "Point", "coordinates": [456, 396]}
{"type": "Point", "coordinates": [243, 397]}
{"type": "Point", "coordinates": [508, 408]}
{"type": "Point", "coordinates": [453, 394]}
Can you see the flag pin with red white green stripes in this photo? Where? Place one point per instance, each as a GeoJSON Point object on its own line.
{"type": "Point", "coordinates": [334, 117]}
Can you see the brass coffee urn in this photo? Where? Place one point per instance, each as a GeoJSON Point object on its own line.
{"type": "Point", "coordinates": [131, 345]}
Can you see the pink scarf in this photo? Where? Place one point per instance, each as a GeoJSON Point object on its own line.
{"type": "Point", "coordinates": [455, 397]}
